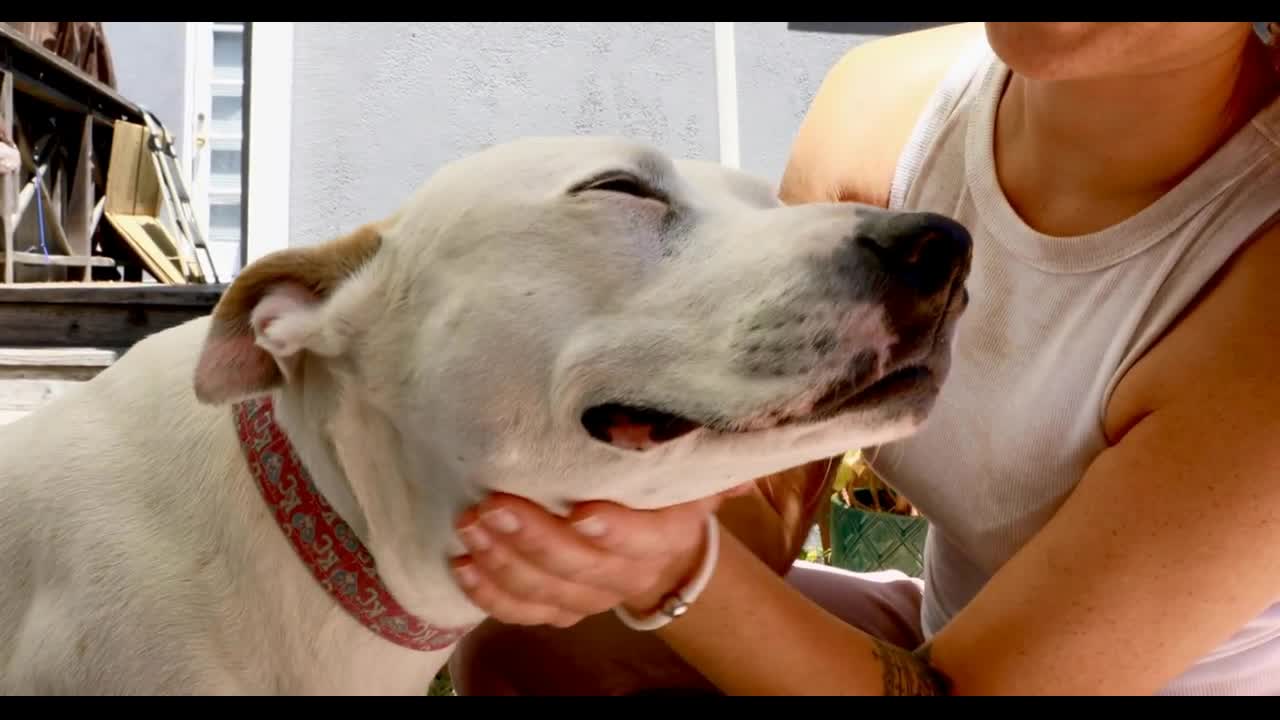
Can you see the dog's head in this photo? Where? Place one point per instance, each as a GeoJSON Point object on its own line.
{"type": "Point", "coordinates": [583, 318]}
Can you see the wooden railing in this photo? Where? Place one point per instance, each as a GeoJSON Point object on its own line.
{"type": "Point", "coordinates": [88, 154]}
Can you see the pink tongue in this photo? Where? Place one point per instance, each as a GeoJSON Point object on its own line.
{"type": "Point", "coordinates": [629, 435]}
{"type": "Point", "coordinates": [634, 428]}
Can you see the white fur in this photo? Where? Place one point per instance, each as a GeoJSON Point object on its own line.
{"type": "Point", "coordinates": [138, 556]}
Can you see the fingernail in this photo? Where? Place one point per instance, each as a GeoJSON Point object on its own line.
{"type": "Point", "coordinates": [504, 521]}
{"type": "Point", "coordinates": [591, 526]}
{"type": "Point", "coordinates": [474, 538]}
{"type": "Point", "coordinates": [466, 575]}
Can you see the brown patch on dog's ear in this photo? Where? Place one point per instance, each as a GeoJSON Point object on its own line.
{"type": "Point", "coordinates": [246, 352]}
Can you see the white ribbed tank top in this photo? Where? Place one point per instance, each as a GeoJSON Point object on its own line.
{"type": "Point", "coordinates": [1053, 324]}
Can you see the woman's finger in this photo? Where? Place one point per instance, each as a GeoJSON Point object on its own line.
{"type": "Point", "coordinates": [521, 581]}
{"type": "Point", "coordinates": [500, 605]}
{"type": "Point", "coordinates": [642, 534]}
{"type": "Point", "coordinates": [541, 538]}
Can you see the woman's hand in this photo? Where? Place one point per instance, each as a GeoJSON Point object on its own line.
{"type": "Point", "coordinates": [527, 566]}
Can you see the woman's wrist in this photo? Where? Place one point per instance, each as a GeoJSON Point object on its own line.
{"type": "Point", "coordinates": [679, 585]}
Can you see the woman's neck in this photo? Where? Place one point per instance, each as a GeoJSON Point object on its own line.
{"type": "Point", "coordinates": [1077, 156]}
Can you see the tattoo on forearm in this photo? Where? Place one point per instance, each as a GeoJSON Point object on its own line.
{"type": "Point", "coordinates": [910, 673]}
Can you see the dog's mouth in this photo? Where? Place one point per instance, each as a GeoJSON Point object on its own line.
{"type": "Point", "coordinates": [640, 427]}
{"type": "Point", "coordinates": [845, 395]}
{"type": "Point", "coordinates": [637, 427]}
{"type": "Point", "coordinates": [634, 427]}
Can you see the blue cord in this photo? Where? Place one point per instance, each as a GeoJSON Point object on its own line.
{"type": "Point", "coordinates": [40, 213]}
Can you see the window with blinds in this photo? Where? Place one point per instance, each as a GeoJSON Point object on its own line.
{"type": "Point", "coordinates": [218, 167]}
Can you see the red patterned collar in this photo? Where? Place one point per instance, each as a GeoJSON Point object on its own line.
{"type": "Point", "coordinates": [324, 543]}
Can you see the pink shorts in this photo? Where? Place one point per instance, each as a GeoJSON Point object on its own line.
{"type": "Point", "coordinates": [885, 604]}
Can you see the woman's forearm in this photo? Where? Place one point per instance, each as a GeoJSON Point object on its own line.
{"type": "Point", "coordinates": [751, 633]}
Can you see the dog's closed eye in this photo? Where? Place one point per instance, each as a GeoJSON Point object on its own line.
{"type": "Point", "coordinates": [621, 182]}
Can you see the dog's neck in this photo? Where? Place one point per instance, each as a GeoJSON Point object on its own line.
{"type": "Point", "coordinates": [352, 454]}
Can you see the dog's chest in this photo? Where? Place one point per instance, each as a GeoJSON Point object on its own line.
{"type": "Point", "coordinates": [186, 611]}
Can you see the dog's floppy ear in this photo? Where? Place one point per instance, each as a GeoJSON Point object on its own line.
{"type": "Point", "coordinates": [275, 310]}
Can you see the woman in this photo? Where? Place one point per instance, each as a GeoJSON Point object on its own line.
{"type": "Point", "coordinates": [1101, 474]}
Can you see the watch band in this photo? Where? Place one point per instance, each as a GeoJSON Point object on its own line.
{"type": "Point", "coordinates": [676, 603]}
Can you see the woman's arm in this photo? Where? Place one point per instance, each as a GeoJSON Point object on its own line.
{"type": "Point", "coordinates": [1171, 541]}
{"type": "Point", "coordinates": [751, 634]}
{"type": "Point", "coordinates": [848, 145]}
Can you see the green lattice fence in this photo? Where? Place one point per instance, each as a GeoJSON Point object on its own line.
{"type": "Point", "coordinates": [866, 535]}
{"type": "Point", "coordinates": [866, 540]}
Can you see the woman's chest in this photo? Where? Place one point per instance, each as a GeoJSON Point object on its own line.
{"type": "Point", "coordinates": [1020, 415]}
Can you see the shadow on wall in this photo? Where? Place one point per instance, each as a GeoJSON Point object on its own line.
{"type": "Point", "coordinates": [863, 28]}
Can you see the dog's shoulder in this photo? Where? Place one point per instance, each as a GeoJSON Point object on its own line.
{"type": "Point", "coordinates": [109, 425]}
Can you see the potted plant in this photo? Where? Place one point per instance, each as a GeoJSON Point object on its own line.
{"type": "Point", "coordinates": [870, 527]}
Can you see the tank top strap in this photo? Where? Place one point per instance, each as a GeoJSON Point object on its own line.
{"type": "Point", "coordinates": [970, 66]}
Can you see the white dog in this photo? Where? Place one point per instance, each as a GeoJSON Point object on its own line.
{"type": "Point", "coordinates": [563, 319]}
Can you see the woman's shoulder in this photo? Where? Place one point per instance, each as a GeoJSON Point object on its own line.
{"type": "Point", "coordinates": [864, 113]}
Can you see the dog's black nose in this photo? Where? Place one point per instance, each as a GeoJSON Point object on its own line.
{"type": "Point", "coordinates": [921, 249]}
